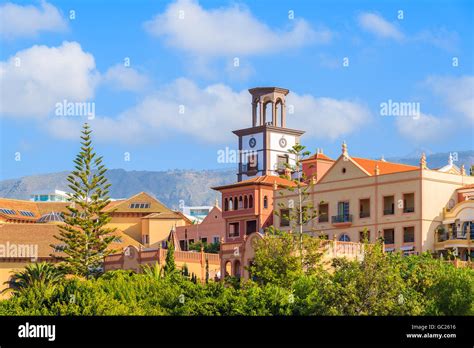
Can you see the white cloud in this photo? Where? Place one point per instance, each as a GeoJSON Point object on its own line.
{"type": "Point", "coordinates": [25, 21]}
{"type": "Point", "coordinates": [378, 26]}
{"type": "Point", "coordinates": [426, 128]}
{"type": "Point", "coordinates": [326, 117]}
{"type": "Point", "coordinates": [227, 31]}
{"type": "Point", "coordinates": [457, 93]}
{"type": "Point", "coordinates": [39, 77]}
{"type": "Point", "coordinates": [441, 38]}
{"type": "Point", "coordinates": [125, 78]}
{"type": "Point", "coordinates": [211, 113]}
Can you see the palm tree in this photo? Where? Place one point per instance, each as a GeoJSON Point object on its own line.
{"type": "Point", "coordinates": [35, 275]}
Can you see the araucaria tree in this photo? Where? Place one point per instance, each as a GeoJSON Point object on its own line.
{"type": "Point", "coordinates": [84, 238]}
{"type": "Point", "coordinates": [300, 211]}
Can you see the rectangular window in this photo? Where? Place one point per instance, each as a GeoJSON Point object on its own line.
{"type": "Point", "coordinates": [323, 212]}
{"type": "Point", "coordinates": [251, 226]}
{"type": "Point", "coordinates": [284, 217]}
{"type": "Point", "coordinates": [204, 240]}
{"type": "Point", "coordinates": [389, 236]}
{"type": "Point", "coordinates": [252, 162]}
{"type": "Point", "coordinates": [364, 209]}
{"type": "Point", "coordinates": [234, 229]}
{"type": "Point", "coordinates": [215, 240]}
{"type": "Point", "coordinates": [343, 208]}
{"type": "Point", "coordinates": [389, 205]}
{"type": "Point", "coordinates": [191, 241]}
{"type": "Point", "coordinates": [282, 160]}
{"type": "Point", "coordinates": [409, 203]}
{"type": "Point", "coordinates": [182, 245]}
{"type": "Point", "coordinates": [409, 234]}
{"type": "Point", "coordinates": [364, 236]}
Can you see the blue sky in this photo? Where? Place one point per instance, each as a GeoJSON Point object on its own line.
{"type": "Point", "coordinates": [182, 54]}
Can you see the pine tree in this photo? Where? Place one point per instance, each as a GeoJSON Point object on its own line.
{"type": "Point", "coordinates": [170, 265]}
{"type": "Point", "coordinates": [84, 236]}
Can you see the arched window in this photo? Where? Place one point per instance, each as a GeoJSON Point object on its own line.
{"type": "Point", "coordinates": [265, 202]}
{"type": "Point", "coordinates": [236, 203]}
{"type": "Point", "coordinates": [241, 203]}
{"type": "Point", "coordinates": [279, 112]}
{"type": "Point", "coordinates": [268, 112]}
{"type": "Point", "coordinates": [251, 201]}
{"type": "Point", "coordinates": [344, 238]}
{"type": "Point", "coordinates": [231, 204]}
{"type": "Point", "coordinates": [228, 268]}
{"type": "Point", "coordinates": [465, 228]}
{"type": "Point", "coordinates": [226, 204]}
{"type": "Point", "coordinates": [237, 268]}
{"type": "Point", "coordinates": [246, 202]}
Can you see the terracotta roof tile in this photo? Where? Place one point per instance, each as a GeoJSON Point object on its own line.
{"type": "Point", "coordinates": [318, 156]}
{"type": "Point", "coordinates": [267, 180]}
{"type": "Point", "coordinates": [42, 235]}
{"type": "Point", "coordinates": [384, 166]}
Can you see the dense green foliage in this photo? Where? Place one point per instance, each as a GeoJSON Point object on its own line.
{"type": "Point", "coordinates": [83, 237]}
{"type": "Point", "coordinates": [212, 248]}
{"type": "Point", "coordinates": [383, 284]}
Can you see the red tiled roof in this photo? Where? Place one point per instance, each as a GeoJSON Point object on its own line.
{"type": "Point", "coordinates": [318, 156]}
{"type": "Point", "coordinates": [384, 166]}
{"type": "Point", "coordinates": [268, 180]}
{"type": "Point", "coordinates": [466, 187]}
{"type": "Point", "coordinates": [43, 236]}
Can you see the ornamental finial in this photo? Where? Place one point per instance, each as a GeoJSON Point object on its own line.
{"type": "Point", "coordinates": [377, 170]}
{"type": "Point", "coordinates": [423, 161]}
{"type": "Point", "coordinates": [344, 148]}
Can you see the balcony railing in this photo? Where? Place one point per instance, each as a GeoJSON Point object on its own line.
{"type": "Point", "coordinates": [337, 219]}
{"type": "Point", "coordinates": [409, 210]}
{"type": "Point", "coordinates": [364, 214]}
{"type": "Point", "coordinates": [455, 235]}
{"type": "Point", "coordinates": [390, 211]}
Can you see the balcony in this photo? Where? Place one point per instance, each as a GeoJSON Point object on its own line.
{"type": "Point", "coordinates": [364, 214]}
{"type": "Point", "coordinates": [409, 210]}
{"type": "Point", "coordinates": [390, 211]}
{"type": "Point", "coordinates": [341, 219]}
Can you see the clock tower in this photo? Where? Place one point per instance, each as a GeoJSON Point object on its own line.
{"type": "Point", "coordinates": [263, 148]}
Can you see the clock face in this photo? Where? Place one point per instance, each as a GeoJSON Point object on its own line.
{"type": "Point", "coordinates": [252, 142]}
{"type": "Point", "coordinates": [282, 142]}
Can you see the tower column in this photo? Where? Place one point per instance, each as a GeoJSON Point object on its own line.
{"type": "Point", "coordinates": [274, 114]}
{"type": "Point", "coordinates": [283, 114]}
{"type": "Point", "coordinates": [254, 114]}
{"type": "Point", "coordinates": [262, 112]}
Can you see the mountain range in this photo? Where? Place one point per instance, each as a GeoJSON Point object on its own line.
{"type": "Point", "coordinates": [192, 187]}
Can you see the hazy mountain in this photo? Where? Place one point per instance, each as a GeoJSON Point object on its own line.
{"type": "Point", "coordinates": [191, 186]}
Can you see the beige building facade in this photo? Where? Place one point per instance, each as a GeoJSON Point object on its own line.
{"type": "Point", "coordinates": [403, 204]}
